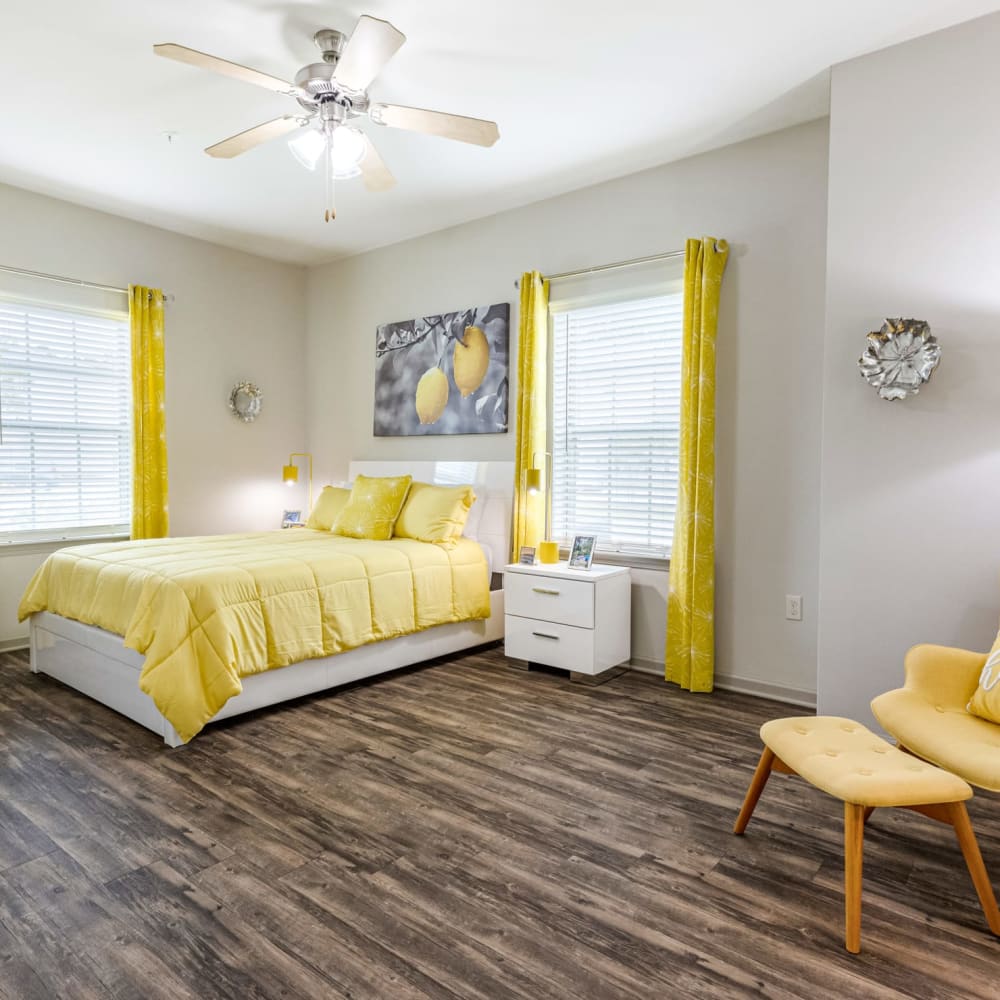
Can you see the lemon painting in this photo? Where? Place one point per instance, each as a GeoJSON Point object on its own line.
{"type": "Point", "coordinates": [445, 374]}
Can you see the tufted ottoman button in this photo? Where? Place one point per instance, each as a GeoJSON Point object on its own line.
{"type": "Point", "coordinates": [864, 771]}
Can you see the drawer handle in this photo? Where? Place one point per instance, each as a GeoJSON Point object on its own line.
{"type": "Point", "coordinates": [545, 590]}
{"type": "Point", "coordinates": [545, 635]}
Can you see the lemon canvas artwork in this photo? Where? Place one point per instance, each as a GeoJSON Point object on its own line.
{"type": "Point", "coordinates": [445, 374]}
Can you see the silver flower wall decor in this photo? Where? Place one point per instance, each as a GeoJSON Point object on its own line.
{"type": "Point", "coordinates": [900, 357]}
{"type": "Point", "coordinates": [245, 401]}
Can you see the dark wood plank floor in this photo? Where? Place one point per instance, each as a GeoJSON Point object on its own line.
{"type": "Point", "coordinates": [466, 830]}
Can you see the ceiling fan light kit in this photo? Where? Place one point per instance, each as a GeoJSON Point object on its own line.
{"type": "Point", "coordinates": [331, 94]}
{"type": "Point", "coordinates": [348, 147]}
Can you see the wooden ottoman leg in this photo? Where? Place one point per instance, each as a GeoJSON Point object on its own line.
{"type": "Point", "coordinates": [757, 784]}
{"type": "Point", "coordinates": [959, 817]}
{"type": "Point", "coordinates": [854, 833]}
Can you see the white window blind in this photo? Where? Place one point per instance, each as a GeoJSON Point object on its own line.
{"type": "Point", "coordinates": [65, 420]}
{"type": "Point", "coordinates": [616, 416]}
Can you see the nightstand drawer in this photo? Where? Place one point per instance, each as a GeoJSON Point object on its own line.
{"type": "Point", "coordinates": [547, 642]}
{"type": "Point", "coordinates": [568, 602]}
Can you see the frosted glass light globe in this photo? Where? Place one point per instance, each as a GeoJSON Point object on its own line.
{"type": "Point", "coordinates": [348, 151]}
{"type": "Point", "coordinates": [307, 147]}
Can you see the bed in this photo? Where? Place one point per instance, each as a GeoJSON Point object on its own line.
{"type": "Point", "coordinates": [96, 662]}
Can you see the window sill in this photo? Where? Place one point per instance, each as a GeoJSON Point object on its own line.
{"type": "Point", "coordinates": [660, 564]}
{"type": "Point", "coordinates": [27, 546]}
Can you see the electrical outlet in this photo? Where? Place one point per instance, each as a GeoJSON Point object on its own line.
{"type": "Point", "coordinates": [793, 607]}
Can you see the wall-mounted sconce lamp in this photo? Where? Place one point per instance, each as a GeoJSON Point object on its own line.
{"type": "Point", "coordinates": [290, 472]}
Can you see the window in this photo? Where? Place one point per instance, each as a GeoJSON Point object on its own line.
{"type": "Point", "coordinates": [616, 376]}
{"type": "Point", "coordinates": [65, 421]}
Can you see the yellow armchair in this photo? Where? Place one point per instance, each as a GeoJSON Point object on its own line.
{"type": "Point", "coordinates": [928, 714]}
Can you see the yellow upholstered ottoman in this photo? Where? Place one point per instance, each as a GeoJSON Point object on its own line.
{"type": "Point", "coordinates": [851, 763]}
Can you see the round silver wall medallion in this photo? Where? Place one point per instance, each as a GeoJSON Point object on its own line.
{"type": "Point", "coordinates": [244, 401]}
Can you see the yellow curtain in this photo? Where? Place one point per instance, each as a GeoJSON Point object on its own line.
{"type": "Point", "coordinates": [149, 441]}
{"type": "Point", "coordinates": [690, 651]}
{"type": "Point", "coordinates": [532, 407]}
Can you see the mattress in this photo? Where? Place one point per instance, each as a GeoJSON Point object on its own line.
{"type": "Point", "coordinates": [207, 611]}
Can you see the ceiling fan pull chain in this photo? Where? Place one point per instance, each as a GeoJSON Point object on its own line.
{"type": "Point", "coordinates": [331, 212]}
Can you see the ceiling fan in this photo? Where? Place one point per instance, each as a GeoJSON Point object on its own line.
{"type": "Point", "coordinates": [331, 94]}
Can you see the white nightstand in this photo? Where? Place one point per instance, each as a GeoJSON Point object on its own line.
{"type": "Point", "coordinates": [580, 620]}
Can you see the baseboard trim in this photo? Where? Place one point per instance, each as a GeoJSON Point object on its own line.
{"type": "Point", "coordinates": [646, 666]}
{"type": "Point", "coordinates": [726, 682]}
{"type": "Point", "coordinates": [763, 689]}
{"type": "Point", "coordinates": [742, 685]}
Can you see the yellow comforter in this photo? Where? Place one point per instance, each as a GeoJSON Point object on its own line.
{"type": "Point", "coordinates": [208, 611]}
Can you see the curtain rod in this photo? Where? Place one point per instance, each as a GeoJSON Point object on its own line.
{"type": "Point", "coordinates": [608, 267]}
{"type": "Point", "coordinates": [71, 281]}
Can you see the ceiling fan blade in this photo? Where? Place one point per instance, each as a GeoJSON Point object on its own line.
{"type": "Point", "coordinates": [243, 141]}
{"type": "Point", "coordinates": [372, 45]}
{"type": "Point", "coordinates": [201, 59]}
{"type": "Point", "coordinates": [474, 130]}
{"type": "Point", "coordinates": [374, 172]}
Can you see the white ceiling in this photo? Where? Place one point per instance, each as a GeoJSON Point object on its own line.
{"type": "Point", "coordinates": [583, 91]}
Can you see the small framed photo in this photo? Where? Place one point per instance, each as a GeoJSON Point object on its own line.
{"type": "Point", "coordinates": [527, 556]}
{"type": "Point", "coordinates": [582, 553]}
{"type": "Point", "coordinates": [291, 519]}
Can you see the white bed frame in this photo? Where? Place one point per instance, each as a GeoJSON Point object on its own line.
{"type": "Point", "coordinates": [96, 662]}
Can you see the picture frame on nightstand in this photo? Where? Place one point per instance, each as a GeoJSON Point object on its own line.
{"type": "Point", "coordinates": [582, 553]}
{"type": "Point", "coordinates": [527, 555]}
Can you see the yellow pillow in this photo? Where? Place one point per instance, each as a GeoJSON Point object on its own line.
{"type": "Point", "coordinates": [373, 508]}
{"type": "Point", "coordinates": [435, 513]}
{"type": "Point", "coordinates": [332, 500]}
{"type": "Point", "coordinates": [986, 698]}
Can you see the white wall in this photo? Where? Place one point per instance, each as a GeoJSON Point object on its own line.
{"type": "Point", "coordinates": [237, 316]}
{"type": "Point", "coordinates": [768, 198]}
{"type": "Point", "coordinates": [910, 546]}
{"type": "Point", "coordinates": [234, 317]}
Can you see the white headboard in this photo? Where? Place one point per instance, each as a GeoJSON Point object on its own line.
{"type": "Point", "coordinates": [489, 519]}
